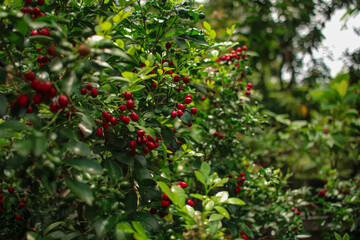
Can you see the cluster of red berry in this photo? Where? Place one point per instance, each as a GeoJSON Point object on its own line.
{"type": "Point", "coordinates": [296, 212]}
{"type": "Point", "coordinates": [89, 87]}
{"type": "Point", "coordinates": [219, 135]}
{"type": "Point", "coordinates": [21, 204]}
{"type": "Point", "coordinates": [35, 12]}
{"type": "Point", "coordinates": [166, 202]}
{"type": "Point", "coordinates": [239, 181]}
{"type": "Point", "coordinates": [141, 139]}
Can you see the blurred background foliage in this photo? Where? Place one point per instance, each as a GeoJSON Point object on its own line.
{"type": "Point", "coordinates": [313, 119]}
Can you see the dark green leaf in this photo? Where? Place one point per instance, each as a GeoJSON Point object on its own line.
{"type": "Point", "coordinates": [86, 164]}
{"type": "Point", "coordinates": [131, 201]}
{"type": "Point", "coordinates": [82, 190]}
{"type": "Point", "coordinates": [114, 170]}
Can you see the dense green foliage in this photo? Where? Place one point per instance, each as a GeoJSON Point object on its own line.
{"type": "Point", "coordinates": [129, 119]}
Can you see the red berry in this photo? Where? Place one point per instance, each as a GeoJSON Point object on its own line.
{"type": "Point", "coordinates": [153, 211]}
{"type": "Point", "coordinates": [83, 91]}
{"type": "Point", "coordinates": [99, 132]}
{"type": "Point", "coordinates": [326, 130]}
{"type": "Point", "coordinates": [193, 110]}
{"type": "Point", "coordinates": [180, 113]}
{"type": "Point", "coordinates": [63, 101]}
{"type": "Point", "coordinates": [132, 144]}
{"type": "Point", "coordinates": [18, 217]}
{"type": "Point", "coordinates": [243, 179]}
{"type": "Point", "coordinates": [163, 214]}
{"type": "Point", "coordinates": [130, 104]}
{"type": "Point", "coordinates": [36, 11]}
{"type": "Point", "coordinates": [23, 100]}
{"type": "Point", "coordinates": [176, 78]}
{"type": "Point", "coordinates": [40, 2]}
{"type": "Point", "coordinates": [190, 203]}
{"type": "Point", "coordinates": [113, 121]}
{"type": "Point", "coordinates": [230, 175]}
{"type": "Point", "coordinates": [140, 133]}
{"type": "Point", "coordinates": [89, 86]}
{"type": "Point", "coordinates": [181, 106]}
{"type": "Point", "coordinates": [21, 205]}
{"type": "Point", "coordinates": [242, 174]}
{"type": "Point", "coordinates": [126, 120]}
{"type": "Point", "coordinates": [186, 79]}
{"type": "Point", "coordinates": [42, 15]}
{"type": "Point", "coordinates": [11, 189]}
{"type": "Point", "coordinates": [216, 134]}
{"type": "Point", "coordinates": [134, 117]}
{"type": "Point", "coordinates": [52, 93]}
{"type": "Point", "coordinates": [168, 45]}
{"type": "Point", "coordinates": [187, 100]}
{"type": "Point", "coordinates": [293, 209]}
{"type": "Point", "coordinates": [146, 150]}
{"type": "Point", "coordinates": [44, 31]}
{"type": "Point", "coordinates": [127, 95]}
{"type": "Point", "coordinates": [47, 86]}
{"type": "Point", "coordinates": [165, 204]}
{"type": "Point", "coordinates": [30, 76]}
{"type": "Point", "coordinates": [105, 125]}
{"type": "Point", "coordinates": [30, 110]}
{"type": "Point", "coordinates": [28, 2]}
{"type": "Point", "coordinates": [244, 48]}
{"type": "Point", "coordinates": [221, 135]}
{"type": "Point", "coordinates": [133, 152]}
{"type": "Point", "coordinates": [203, 98]}
{"type": "Point", "coordinates": [244, 237]}
{"type": "Point", "coordinates": [122, 108]}
{"type": "Point", "coordinates": [298, 213]}
{"type": "Point", "coordinates": [183, 184]}
{"type": "Point", "coordinates": [54, 107]}
{"type": "Point", "coordinates": [237, 189]}
{"type": "Point", "coordinates": [173, 114]}
{"type": "Point", "coordinates": [139, 141]}
{"type": "Point", "coordinates": [144, 139]}
{"type": "Point", "coordinates": [154, 84]}
{"type": "Point", "coordinates": [94, 93]}
{"type": "Point", "coordinates": [37, 99]}
{"type": "Point", "coordinates": [188, 96]}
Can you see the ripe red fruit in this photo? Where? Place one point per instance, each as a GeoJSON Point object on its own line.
{"type": "Point", "coordinates": [113, 121]}
{"type": "Point", "coordinates": [244, 237]}
{"type": "Point", "coordinates": [153, 211]}
{"type": "Point", "coordinates": [127, 95]}
{"type": "Point", "coordinates": [94, 93]}
{"type": "Point", "coordinates": [165, 197]}
{"type": "Point", "coordinates": [140, 133]}
{"type": "Point", "coordinates": [18, 217]}
{"type": "Point", "coordinates": [176, 78]}
{"type": "Point", "coordinates": [293, 209]}
{"type": "Point", "coordinates": [132, 144]}
{"type": "Point", "coordinates": [173, 114]}
{"type": "Point", "coordinates": [180, 113]}
{"type": "Point", "coordinates": [23, 100]}
{"type": "Point", "coordinates": [193, 110]}
{"type": "Point", "coordinates": [326, 130]}
{"type": "Point", "coordinates": [40, 2]}
{"type": "Point", "coordinates": [203, 98]}
{"type": "Point", "coordinates": [146, 150]}
{"type": "Point", "coordinates": [133, 152]}
{"type": "Point", "coordinates": [21, 205]}
{"type": "Point", "coordinates": [244, 48]}
{"type": "Point", "coordinates": [186, 79]}
{"type": "Point", "coordinates": [130, 104]}
{"type": "Point", "coordinates": [30, 110]}
{"type": "Point", "coordinates": [163, 214]}
{"type": "Point", "coordinates": [230, 175]}
{"type": "Point", "coordinates": [188, 96]}
{"type": "Point", "coordinates": [139, 141]}
{"type": "Point", "coordinates": [237, 189]}
{"type": "Point", "coordinates": [42, 15]}
{"type": "Point", "coordinates": [126, 120]}
{"type": "Point", "coordinates": [298, 213]}
{"type": "Point", "coordinates": [27, 2]}
{"type": "Point", "coordinates": [105, 125]}
{"type": "Point", "coordinates": [47, 86]}
{"type": "Point", "coordinates": [144, 139]}
{"type": "Point", "coordinates": [221, 135]}
{"type": "Point", "coordinates": [165, 204]}
{"type": "Point", "coordinates": [99, 132]}
{"type": "Point", "coordinates": [44, 31]}
{"type": "Point", "coordinates": [183, 184]}
{"type": "Point", "coordinates": [37, 99]}
{"type": "Point", "coordinates": [134, 117]}
{"type": "Point", "coordinates": [181, 106]}
{"type": "Point", "coordinates": [63, 101]}
{"type": "Point", "coordinates": [11, 189]}
{"type": "Point", "coordinates": [83, 91]}
{"type": "Point", "coordinates": [36, 11]}
{"type": "Point", "coordinates": [168, 45]}
{"type": "Point", "coordinates": [30, 76]}
{"type": "Point", "coordinates": [89, 86]}
{"type": "Point", "coordinates": [190, 203]}
{"type": "Point", "coordinates": [150, 145]}
{"type": "Point", "coordinates": [187, 100]}
{"type": "Point", "coordinates": [242, 174]}
{"type": "Point", "coordinates": [216, 134]}
{"type": "Point", "coordinates": [122, 108]}
{"type": "Point", "coordinates": [243, 179]}
{"type": "Point", "coordinates": [52, 93]}
{"type": "Point", "coordinates": [54, 107]}
{"type": "Point", "coordinates": [154, 84]}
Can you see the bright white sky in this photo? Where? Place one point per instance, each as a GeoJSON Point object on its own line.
{"type": "Point", "coordinates": [338, 40]}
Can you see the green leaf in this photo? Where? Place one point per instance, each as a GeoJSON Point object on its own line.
{"type": "Point", "coordinates": [209, 205]}
{"type": "Point", "coordinates": [173, 197]}
{"type": "Point", "coordinates": [79, 148]}
{"type": "Point", "coordinates": [207, 26]}
{"type": "Point", "coordinates": [52, 226]}
{"type": "Point", "coordinates": [198, 196]}
{"type": "Point", "coordinates": [23, 146]}
{"type": "Point", "coordinates": [338, 236]}
{"type": "Point", "coordinates": [138, 228]}
{"type": "Point", "coordinates": [222, 211]}
{"type": "Point", "coordinates": [3, 105]}
{"type": "Point", "coordinates": [205, 169]}
{"type": "Point", "coordinates": [235, 201]}
{"type": "Point", "coordinates": [87, 165]}
{"type": "Point", "coordinates": [200, 177]}
{"type": "Point", "coordinates": [131, 201]}
{"type": "Point", "coordinates": [215, 217]}
{"type": "Point", "coordinates": [223, 196]}
{"type": "Point", "coordinates": [125, 227]}
{"type": "Point", "coordinates": [114, 170]}
{"type": "Point", "coordinates": [180, 193]}
{"type": "Point", "coordinates": [346, 236]}
{"type": "Point", "coordinates": [82, 190]}
{"type": "Point", "coordinates": [14, 125]}
{"type": "Point", "coordinates": [167, 134]}
{"type": "Point", "coordinates": [123, 157]}
{"type": "Point", "coordinates": [246, 230]}
{"type": "Point", "coordinates": [40, 145]}
{"type": "Point", "coordinates": [186, 117]}
{"type": "Point", "coordinates": [141, 171]}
